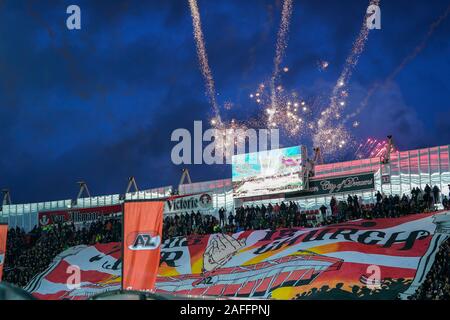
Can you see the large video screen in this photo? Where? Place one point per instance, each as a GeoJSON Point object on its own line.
{"type": "Point", "coordinates": [267, 172]}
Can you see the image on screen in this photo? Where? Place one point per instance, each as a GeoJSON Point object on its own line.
{"type": "Point", "coordinates": [267, 172]}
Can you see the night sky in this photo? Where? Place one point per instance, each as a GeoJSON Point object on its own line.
{"type": "Point", "coordinates": [100, 104]}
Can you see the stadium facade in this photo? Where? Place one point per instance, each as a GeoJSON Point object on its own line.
{"type": "Point", "coordinates": [406, 170]}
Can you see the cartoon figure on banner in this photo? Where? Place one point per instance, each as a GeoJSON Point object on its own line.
{"type": "Point", "coordinates": [254, 280]}
{"type": "Point", "coordinates": [220, 250]}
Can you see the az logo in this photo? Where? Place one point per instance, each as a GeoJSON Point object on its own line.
{"type": "Point", "coordinates": [144, 241]}
{"type": "Point", "coordinates": [44, 220]}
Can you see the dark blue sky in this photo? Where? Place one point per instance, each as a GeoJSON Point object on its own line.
{"type": "Point", "coordinates": [100, 104]}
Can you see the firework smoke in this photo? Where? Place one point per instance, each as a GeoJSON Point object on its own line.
{"type": "Point", "coordinates": [281, 45]}
{"type": "Point", "coordinates": [340, 93]}
{"type": "Point", "coordinates": [325, 130]}
{"type": "Point", "coordinates": [402, 65]}
{"type": "Point", "coordinates": [203, 60]}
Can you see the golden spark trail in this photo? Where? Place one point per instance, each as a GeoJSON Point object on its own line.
{"type": "Point", "coordinates": [402, 65]}
{"type": "Point", "coordinates": [281, 45]}
{"type": "Point", "coordinates": [351, 62]}
{"type": "Point", "coordinates": [203, 60]}
{"type": "Point", "coordinates": [328, 137]}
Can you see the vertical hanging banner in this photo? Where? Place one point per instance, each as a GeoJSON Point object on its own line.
{"type": "Point", "coordinates": [142, 234]}
{"type": "Point", "coordinates": [3, 233]}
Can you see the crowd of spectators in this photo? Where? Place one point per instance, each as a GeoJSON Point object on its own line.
{"type": "Point", "coordinates": [28, 254]}
{"type": "Point", "coordinates": [436, 285]}
{"type": "Point", "coordinates": [385, 206]}
{"type": "Point", "coordinates": [187, 224]}
{"type": "Point", "coordinates": [289, 214]}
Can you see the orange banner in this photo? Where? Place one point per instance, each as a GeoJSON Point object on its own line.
{"type": "Point", "coordinates": [3, 233]}
{"type": "Point", "coordinates": [142, 229]}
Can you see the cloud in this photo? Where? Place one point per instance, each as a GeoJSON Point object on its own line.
{"type": "Point", "coordinates": [387, 113]}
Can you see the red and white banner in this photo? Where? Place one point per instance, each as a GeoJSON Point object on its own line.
{"type": "Point", "coordinates": [99, 268]}
{"type": "Point", "coordinates": [3, 235]}
{"type": "Point", "coordinates": [77, 215]}
{"type": "Point", "coordinates": [142, 232]}
{"type": "Point", "coordinates": [364, 259]}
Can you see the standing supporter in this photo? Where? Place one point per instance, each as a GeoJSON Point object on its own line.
{"type": "Point", "coordinates": [222, 216]}
{"type": "Point", "coordinates": [276, 208]}
{"type": "Point", "coordinates": [427, 195]}
{"type": "Point", "coordinates": [445, 202]}
{"type": "Point", "coordinates": [436, 193]}
{"type": "Point", "coordinates": [333, 206]}
{"type": "Point", "coordinates": [230, 218]}
{"type": "Point", "coordinates": [379, 197]}
{"type": "Point", "coordinates": [323, 210]}
{"type": "Point", "coordinates": [349, 200]}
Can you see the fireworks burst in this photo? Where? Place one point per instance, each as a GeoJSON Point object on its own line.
{"type": "Point", "coordinates": [410, 57]}
{"type": "Point", "coordinates": [372, 148]}
{"type": "Point", "coordinates": [292, 114]}
{"type": "Point", "coordinates": [284, 108]}
{"type": "Point", "coordinates": [332, 140]}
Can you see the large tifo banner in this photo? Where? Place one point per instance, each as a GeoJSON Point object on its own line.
{"type": "Point", "coordinates": [3, 234]}
{"type": "Point", "coordinates": [267, 172]}
{"type": "Point", "coordinates": [77, 215]}
{"type": "Point", "coordinates": [142, 229]}
{"type": "Point", "coordinates": [365, 259]}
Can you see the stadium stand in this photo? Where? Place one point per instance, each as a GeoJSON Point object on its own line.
{"type": "Point", "coordinates": [29, 254]}
{"type": "Point", "coordinates": [436, 285]}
